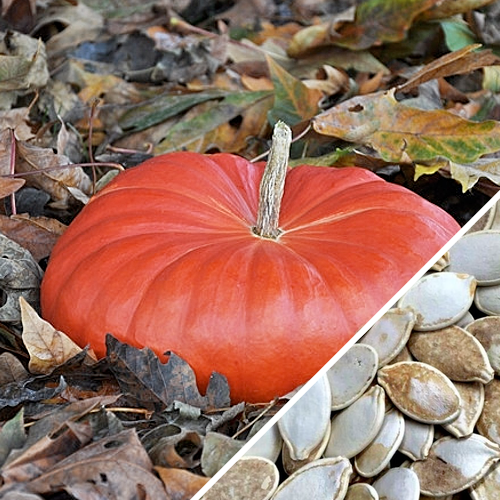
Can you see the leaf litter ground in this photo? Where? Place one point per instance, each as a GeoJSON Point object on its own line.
{"type": "Point", "coordinates": [406, 89]}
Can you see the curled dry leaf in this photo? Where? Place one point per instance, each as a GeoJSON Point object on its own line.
{"type": "Point", "coordinates": [63, 184]}
{"type": "Point", "coordinates": [20, 276]}
{"type": "Point", "coordinates": [48, 348]}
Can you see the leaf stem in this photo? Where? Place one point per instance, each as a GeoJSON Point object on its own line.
{"type": "Point", "coordinates": [272, 184]}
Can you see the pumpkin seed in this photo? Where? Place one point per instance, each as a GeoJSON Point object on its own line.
{"type": "Point", "coordinates": [487, 331]}
{"type": "Point", "coordinates": [403, 355]}
{"type": "Point", "coordinates": [465, 320]}
{"type": "Point", "coordinates": [361, 491]}
{"type": "Point", "coordinates": [420, 391]}
{"type": "Point", "coordinates": [398, 483]}
{"type": "Point", "coordinates": [250, 478]}
{"type": "Point", "coordinates": [439, 299]}
{"type": "Point", "coordinates": [453, 351]}
{"type": "Point", "coordinates": [455, 464]}
{"type": "Point", "coordinates": [324, 479]}
{"type": "Point", "coordinates": [268, 446]}
{"type": "Point", "coordinates": [442, 263]}
{"type": "Point", "coordinates": [487, 299]}
{"type": "Point", "coordinates": [390, 333]}
{"type": "Point", "coordinates": [417, 439]}
{"type": "Point", "coordinates": [303, 427]}
{"type": "Point", "coordinates": [487, 488]}
{"type": "Point", "coordinates": [352, 375]}
{"type": "Point", "coordinates": [290, 465]}
{"type": "Point", "coordinates": [377, 455]}
{"type": "Point", "coordinates": [472, 254]}
{"type": "Point", "coordinates": [472, 401]}
{"type": "Point", "coordinates": [488, 424]}
{"type": "Point", "coordinates": [355, 427]}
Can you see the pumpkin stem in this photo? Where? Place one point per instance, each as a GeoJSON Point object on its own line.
{"type": "Point", "coordinates": [272, 185]}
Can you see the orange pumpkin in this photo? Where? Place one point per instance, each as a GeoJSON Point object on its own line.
{"type": "Point", "coordinates": [166, 256]}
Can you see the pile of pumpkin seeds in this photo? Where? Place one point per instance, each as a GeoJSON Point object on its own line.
{"type": "Point", "coordinates": [412, 411]}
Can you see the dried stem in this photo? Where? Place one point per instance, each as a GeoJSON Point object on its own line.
{"type": "Point", "coordinates": [273, 183]}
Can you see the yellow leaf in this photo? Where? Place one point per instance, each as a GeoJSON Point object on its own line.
{"type": "Point", "coordinates": [48, 348]}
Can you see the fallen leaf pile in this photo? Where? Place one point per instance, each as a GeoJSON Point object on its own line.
{"type": "Point", "coordinates": [408, 89]}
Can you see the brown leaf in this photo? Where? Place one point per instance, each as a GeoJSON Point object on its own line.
{"type": "Point", "coordinates": [61, 184]}
{"type": "Point", "coordinates": [449, 8]}
{"type": "Point", "coordinates": [180, 484]}
{"type": "Point", "coordinates": [44, 454]}
{"type": "Point", "coordinates": [9, 186]}
{"type": "Point", "coordinates": [11, 369]}
{"type": "Point", "coordinates": [48, 347]}
{"type": "Point", "coordinates": [36, 234]}
{"type": "Point", "coordinates": [115, 467]}
{"type": "Point", "coordinates": [17, 119]}
{"type": "Point", "coordinates": [455, 63]}
{"type": "Point", "coordinates": [141, 373]}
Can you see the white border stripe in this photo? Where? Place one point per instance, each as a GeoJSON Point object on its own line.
{"type": "Point", "coordinates": [341, 352]}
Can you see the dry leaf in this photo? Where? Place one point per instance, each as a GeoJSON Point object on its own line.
{"type": "Point", "coordinates": [36, 234]}
{"type": "Point", "coordinates": [180, 484]}
{"type": "Point", "coordinates": [455, 63]}
{"type": "Point", "coordinates": [9, 186]}
{"type": "Point", "coordinates": [399, 132]}
{"type": "Point", "coordinates": [11, 369]}
{"type": "Point", "coordinates": [17, 119]}
{"type": "Point", "coordinates": [20, 276]}
{"type": "Point", "coordinates": [48, 348]}
{"type": "Point", "coordinates": [55, 182]}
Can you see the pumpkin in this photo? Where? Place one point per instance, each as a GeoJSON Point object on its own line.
{"type": "Point", "coordinates": [168, 256]}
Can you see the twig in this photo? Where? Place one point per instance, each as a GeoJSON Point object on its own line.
{"type": "Point", "coordinates": [258, 417]}
{"type": "Point", "coordinates": [12, 169]}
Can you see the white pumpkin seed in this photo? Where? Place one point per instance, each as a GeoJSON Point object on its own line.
{"type": "Point", "coordinates": [442, 263]}
{"type": "Point", "coordinates": [439, 299]}
{"type": "Point", "coordinates": [390, 333]}
{"type": "Point", "coordinates": [290, 465]}
{"type": "Point", "coordinates": [250, 478]}
{"type": "Point", "coordinates": [404, 355]}
{"type": "Point", "coordinates": [465, 320]}
{"type": "Point", "coordinates": [488, 488]}
{"type": "Point", "coordinates": [455, 464]}
{"type": "Point", "coordinates": [453, 351]}
{"type": "Point", "coordinates": [377, 455]}
{"type": "Point", "coordinates": [398, 483]}
{"type": "Point", "coordinates": [487, 299]}
{"type": "Point", "coordinates": [324, 479]}
{"type": "Point", "coordinates": [361, 491]}
{"type": "Point", "coordinates": [475, 254]}
{"type": "Point", "coordinates": [303, 426]}
{"type": "Point", "coordinates": [417, 439]}
{"type": "Point", "coordinates": [355, 427]}
{"type": "Point", "coordinates": [268, 445]}
{"type": "Point", "coordinates": [352, 374]}
{"type": "Point", "coordinates": [472, 401]}
{"type": "Point", "coordinates": [488, 424]}
{"type": "Point", "coordinates": [487, 331]}
{"type": "Point", "coordinates": [420, 391]}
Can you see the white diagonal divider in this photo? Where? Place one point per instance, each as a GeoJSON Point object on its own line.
{"type": "Point", "coordinates": [341, 352]}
